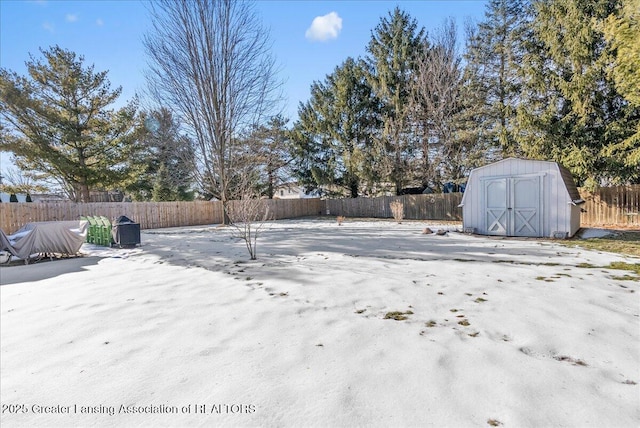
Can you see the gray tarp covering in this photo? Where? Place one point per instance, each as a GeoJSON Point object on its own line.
{"type": "Point", "coordinates": [62, 237]}
{"type": "Point", "coordinates": [5, 244]}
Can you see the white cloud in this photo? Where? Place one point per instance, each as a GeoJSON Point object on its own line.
{"type": "Point", "coordinates": [99, 22]}
{"type": "Point", "coordinates": [48, 27]}
{"type": "Point", "coordinates": [71, 17]}
{"type": "Point", "coordinates": [324, 27]}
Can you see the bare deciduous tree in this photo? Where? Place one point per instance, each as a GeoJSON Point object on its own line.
{"type": "Point", "coordinates": [247, 214]}
{"type": "Point", "coordinates": [436, 102]}
{"type": "Point", "coordinates": [397, 209]}
{"type": "Point", "coordinates": [17, 181]}
{"type": "Point", "coordinates": [210, 62]}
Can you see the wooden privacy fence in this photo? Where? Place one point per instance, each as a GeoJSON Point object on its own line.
{"type": "Point", "coordinates": [608, 206]}
{"type": "Point", "coordinates": [150, 215]}
{"type": "Point", "coordinates": [612, 206]}
{"type": "Point", "coordinates": [416, 207]}
{"type": "Point", "coordinates": [293, 208]}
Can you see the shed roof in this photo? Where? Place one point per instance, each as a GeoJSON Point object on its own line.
{"type": "Point", "coordinates": [567, 178]}
{"type": "Point", "coordinates": [570, 184]}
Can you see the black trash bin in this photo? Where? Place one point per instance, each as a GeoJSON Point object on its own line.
{"type": "Point", "coordinates": [126, 232]}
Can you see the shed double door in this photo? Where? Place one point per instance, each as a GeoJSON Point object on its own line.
{"type": "Point", "coordinates": [512, 206]}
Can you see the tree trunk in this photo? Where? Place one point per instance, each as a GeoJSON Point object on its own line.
{"type": "Point", "coordinates": [270, 185]}
{"type": "Point", "coordinates": [225, 215]}
{"type": "Point", "coordinates": [353, 187]}
{"type": "Point", "coordinates": [81, 193]}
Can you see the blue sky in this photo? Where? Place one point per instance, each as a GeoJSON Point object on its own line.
{"type": "Point", "coordinates": [109, 34]}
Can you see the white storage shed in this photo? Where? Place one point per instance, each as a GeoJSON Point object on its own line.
{"type": "Point", "coordinates": [521, 197]}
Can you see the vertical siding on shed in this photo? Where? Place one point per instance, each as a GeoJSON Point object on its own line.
{"type": "Point", "coordinates": [471, 216]}
{"type": "Point", "coordinates": [557, 213]}
{"type": "Point", "coordinates": [555, 210]}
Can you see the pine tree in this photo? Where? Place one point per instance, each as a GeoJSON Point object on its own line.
{"type": "Point", "coordinates": [622, 31]}
{"type": "Point", "coordinates": [493, 56]}
{"type": "Point", "coordinates": [166, 160]}
{"type": "Point", "coordinates": [269, 147]}
{"type": "Point", "coordinates": [60, 124]}
{"type": "Point", "coordinates": [336, 129]}
{"type": "Point", "coordinates": [571, 111]}
{"type": "Point", "coordinates": [163, 190]}
{"type": "Point", "coordinates": [393, 49]}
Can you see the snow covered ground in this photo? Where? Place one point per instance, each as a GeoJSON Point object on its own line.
{"type": "Point", "coordinates": [186, 331]}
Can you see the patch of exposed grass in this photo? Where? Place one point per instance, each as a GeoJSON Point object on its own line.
{"type": "Point", "coordinates": [586, 265]}
{"type": "Point", "coordinates": [464, 323]}
{"type": "Point", "coordinates": [359, 311]}
{"type": "Point", "coordinates": [398, 316]}
{"type": "Point", "coordinates": [633, 267]}
{"type": "Point", "coordinates": [627, 242]}
{"type": "Point", "coordinates": [480, 300]}
{"type": "Point", "coordinates": [626, 278]}
{"type": "Point", "coordinates": [494, 422]}
{"type": "Point", "coordinates": [431, 323]}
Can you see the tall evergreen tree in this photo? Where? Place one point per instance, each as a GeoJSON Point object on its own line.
{"type": "Point", "coordinates": [269, 147]}
{"type": "Point", "coordinates": [622, 31]}
{"type": "Point", "coordinates": [163, 190]}
{"type": "Point", "coordinates": [393, 50]}
{"type": "Point", "coordinates": [167, 160]}
{"type": "Point", "coordinates": [59, 122]}
{"type": "Point", "coordinates": [493, 56]}
{"type": "Point", "coordinates": [571, 111]}
{"type": "Point", "coordinates": [336, 129]}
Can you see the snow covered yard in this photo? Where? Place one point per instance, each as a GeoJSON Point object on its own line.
{"type": "Point", "coordinates": [364, 324]}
